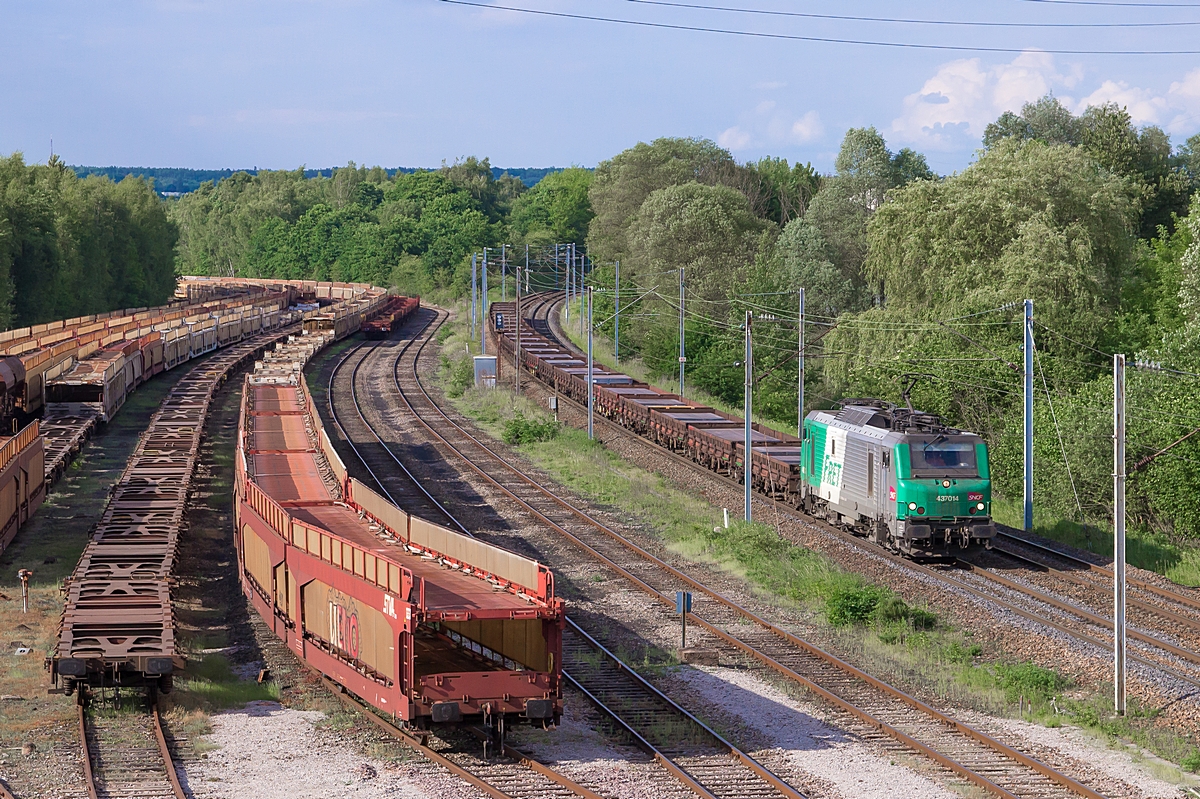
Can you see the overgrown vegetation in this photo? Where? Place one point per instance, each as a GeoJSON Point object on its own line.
{"type": "Point", "coordinates": [209, 684]}
{"type": "Point", "coordinates": [72, 247]}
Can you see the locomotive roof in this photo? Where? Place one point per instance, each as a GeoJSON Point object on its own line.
{"type": "Point", "coordinates": [877, 418]}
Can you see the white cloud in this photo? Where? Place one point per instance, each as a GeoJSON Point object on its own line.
{"type": "Point", "coordinates": [807, 128]}
{"type": "Point", "coordinates": [1144, 107]}
{"type": "Point", "coordinates": [735, 138]}
{"type": "Point", "coordinates": [954, 106]}
{"type": "Point", "coordinates": [768, 124]}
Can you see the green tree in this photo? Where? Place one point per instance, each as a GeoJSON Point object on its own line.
{"type": "Point", "coordinates": [622, 184]}
{"type": "Point", "coordinates": [557, 209]}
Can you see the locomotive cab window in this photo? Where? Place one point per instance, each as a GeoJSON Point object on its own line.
{"type": "Point", "coordinates": [943, 456]}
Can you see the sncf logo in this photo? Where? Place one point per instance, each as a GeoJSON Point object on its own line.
{"type": "Point", "coordinates": [975, 497]}
{"type": "Point", "coordinates": [343, 628]}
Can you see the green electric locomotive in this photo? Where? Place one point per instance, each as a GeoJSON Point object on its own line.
{"type": "Point", "coordinates": [899, 477]}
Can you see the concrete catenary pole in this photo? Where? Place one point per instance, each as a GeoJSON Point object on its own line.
{"type": "Point", "coordinates": [617, 317]}
{"type": "Point", "coordinates": [517, 361]}
{"type": "Point", "coordinates": [1028, 416]}
{"type": "Point", "coordinates": [749, 407]}
{"type": "Point", "coordinates": [566, 282]}
{"type": "Point", "coordinates": [1119, 532]}
{"type": "Point", "coordinates": [503, 273]}
{"type": "Point", "coordinates": [483, 306]}
{"type": "Point", "coordinates": [591, 367]}
{"type": "Point", "coordinates": [800, 357]}
{"type": "Point", "coordinates": [474, 294]}
{"type": "Point", "coordinates": [682, 350]}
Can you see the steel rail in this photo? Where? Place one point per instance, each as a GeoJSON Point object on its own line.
{"type": "Point", "coordinates": [788, 510]}
{"type": "Point", "coordinates": [88, 775]}
{"type": "Point", "coordinates": [1031, 763]}
{"type": "Point", "coordinates": [172, 777]}
{"type": "Point", "coordinates": [668, 764]}
{"type": "Point", "coordinates": [1083, 613]}
{"type": "Point", "coordinates": [413, 741]}
{"type": "Point", "coordinates": [358, 453]}
{"type": "Point", "coordinates": [752, 764]}
{"type": "Point", "coordinates": [1166, 613]}
{"type": "Point", "coordinates": [1145, 585]}
{"type": "Point", "coordinates": [1003, 531]}
{"type": "Point", "coordinates": [165, 751]}
{"type": "Point", "coordinates": [417, 743]}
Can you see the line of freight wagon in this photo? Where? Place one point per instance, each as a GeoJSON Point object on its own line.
{"type": "Point", "coordinates": [105, 356]}
{"type": "Point", "coordinates": [118, 625]}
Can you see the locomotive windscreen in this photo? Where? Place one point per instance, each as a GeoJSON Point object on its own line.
{"type": "Point", "coordinates": [942, 456]}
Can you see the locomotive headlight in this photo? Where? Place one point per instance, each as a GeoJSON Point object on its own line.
{"type": "Point", "coordinates": [945, 484]}
{"type": "Point", "coordinates": [912, 506]}
{"type": "Point", "coordinates": [981, 506]}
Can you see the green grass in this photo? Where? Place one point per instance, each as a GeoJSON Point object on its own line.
{"type": "Point", "coordinates": [210, 685]}
{"type": "Point", "coordinates": [1178, 562]}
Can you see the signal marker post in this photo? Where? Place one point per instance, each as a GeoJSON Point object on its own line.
{"type": "Point", "coordinates": [1028, 416]}
{"type": "Point", "coordinates": [1119, 533]}
{"type": "Point", "coordinates": [683, 606]}
{"type": "Point", "coordinates": [749, 403]}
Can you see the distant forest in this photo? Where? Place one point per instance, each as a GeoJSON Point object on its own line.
{"type": "Point", "coordinates": [171, 180]}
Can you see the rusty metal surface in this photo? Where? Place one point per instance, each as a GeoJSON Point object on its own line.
{"type": "Point", "coordinates": [118, 604]}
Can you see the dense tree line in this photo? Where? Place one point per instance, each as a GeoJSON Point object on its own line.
{"type": "Point", "coordinates": [413, 229]}
{"type": "Point", "coordinates": [72, 246]}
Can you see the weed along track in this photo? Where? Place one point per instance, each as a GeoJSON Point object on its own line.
{"type": "Point", "coordinates": [969, 755]}
{"type": "Point", "coordinates": [689, 752]}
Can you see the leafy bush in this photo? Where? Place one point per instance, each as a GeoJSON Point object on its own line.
{"type": "Point", "coordinates": [462, 376]}
{"type": "Point", "coordinates": [1191, 762]}
{"type": "Point", "coordinates": [922, 619]}
{"type": "Point", "coordinates": [520, 430]}
{"type": "Point", "coordinates": [891, 609]}
{"type": "Point", "coordinates": [1028, 680]}
{"type": "Point", "coordinates": [957, 653]}
{"type": "Point", "coordinates": [852, 605]}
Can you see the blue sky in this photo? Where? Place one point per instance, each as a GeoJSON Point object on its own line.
{"type": "Point", "coordinates": [412, 82]}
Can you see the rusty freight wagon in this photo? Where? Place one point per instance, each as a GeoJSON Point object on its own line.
{"type": "Point", "coordinates": [420, 621]}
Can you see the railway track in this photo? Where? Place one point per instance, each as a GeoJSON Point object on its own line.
{"type": "Point", "coordinates": [125, 755]}
{"type": "Point", "coordinates": [1074, 617]}
{"type": "Point", "coordinates": [963, 751]}
{"type": "Point", "coordinates": [688, 750]}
